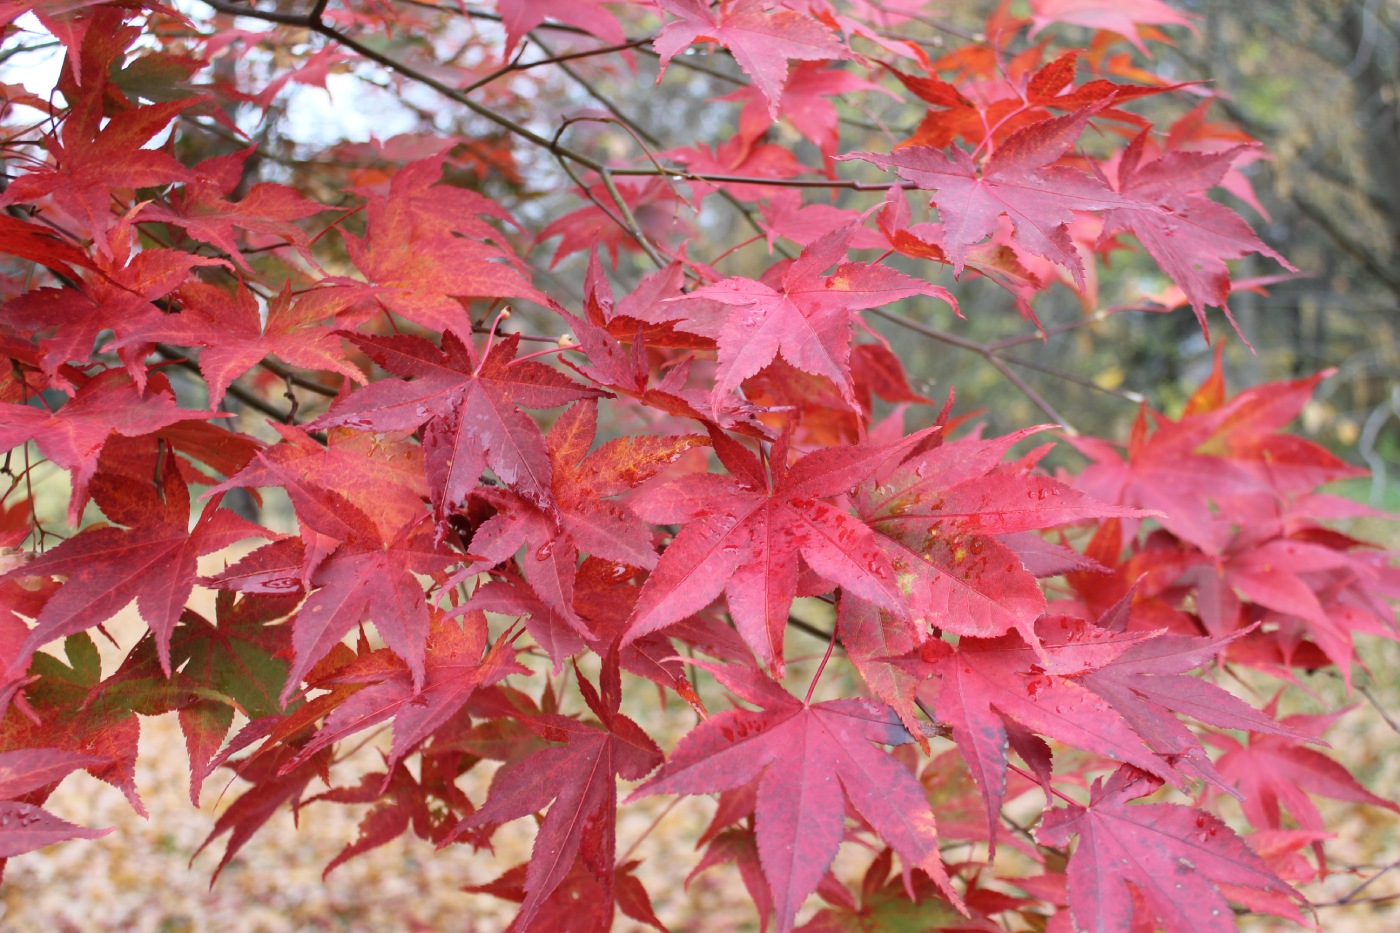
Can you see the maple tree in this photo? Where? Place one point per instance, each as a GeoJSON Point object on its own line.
{"type": "Point", "coordinates": [483, 492]}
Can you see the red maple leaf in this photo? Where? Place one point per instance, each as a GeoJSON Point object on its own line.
{"type": "Point", "coordinates": [457, 664]}
{"type": "Point", "coordinates": [468, 409]}
{"type": "Point", "coordinates": [793, 749]}
{"type": "Point", "coordinates": [654, 202]}
{"type": "Point", "coordinates": [416, 204]}
{"type": "Point", "coordinates": [742, 534]}
{"type": "Point", "coordinates": [370, 575]}
{"type": "Point", "coordinates": [939, 516]}
{"type": "Point", "coordinates": [579, 774]}
{"type": "Point", "coordinates": [581, 903]}
{"type": "Point", "coordinates": [1020, 181]}
{"type": "Point", "coordinates": [1188, 234]}
{"type": "Point", "coordinates": [118, 296]}
{"type": "Point", "coordinates": [1278, 772]}
{"type": "Point", "coordinates": [807, 317]}
{"type": "Point", "coordinates": [95, 157]}
{"type": "Point", "coordinates": [237, 336]}
{"type": "Point", "coordinates": [521, 16]}
{"type": "Point", "coordinates": [1183, 862]}
{"type": "Point", "coordinates": [736, 157]}
{"type": "Point", "coordinates": [807, 103]}
{"type": "Point", "coordinates": [985, 685]}
{"type": "Point", "coordinates": [580, 516]}
{"type": "Point", "coordinates": [73, 436]}
{"type": "Point", "coordinates": [40, 244]}
{"type": "Point", "coordinates": [380, 476]}
{"type": "Point", "coordinates": [202, 207]}
{"type": "Point", "coordinates": [761, 42]}
{"type": "Point", "coordinates": [23, 826]}
{"type": "Point", "coordinates": [271, 790]}
{"type": "Point", "coordinates": [152, 560]}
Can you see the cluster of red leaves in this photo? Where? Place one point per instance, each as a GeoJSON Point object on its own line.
{"type": "Point", "coordinates": [458, 507]}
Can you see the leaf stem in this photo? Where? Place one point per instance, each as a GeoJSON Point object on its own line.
{"type": "Point", "coordinates": [811, 688]}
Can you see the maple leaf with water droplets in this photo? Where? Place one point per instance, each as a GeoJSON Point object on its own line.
{"type": "Point", "coordinates": [939, 517]}
{"type": "Point", "coordinates": [794, 749]}
{"type": "Point", "coordinates": [1177, 858]}
{"type": "Point", "coordinates": [742, 534]}
{"type": "Point", "coordinates": [23, 826]}
{"type": "Point", "coordinates": [808, 318]}
{"type": "Point", "coordinates": [981, 685]}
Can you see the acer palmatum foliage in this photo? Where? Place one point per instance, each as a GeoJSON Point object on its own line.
{"type": "Point", "coordinates": [495, 535]}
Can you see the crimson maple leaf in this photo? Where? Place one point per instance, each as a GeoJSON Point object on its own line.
{"type": "Point", "coordinates": [654, 202]}
{"type": "Point", "coordinates": [939, 516]}
{"type": "Point", "coordinates": [1020, 180]}
{"type": "Point", "coordinates": [793, 749]}
{"type": "Point", "coordinates": [23, 826]}
{"type": "Point", "coordinates": [237, 335]}
{"type": "Point", "coordinates": [467, 408]}
{"type": "Point", "coordinates": [271, 790]}
{"type": "Point", "coordinates": [737, 158]}
{"type": "Point", "coordinates": [457, 663]}
{"type": "Point", "coordinates": [521, 16]}
{"type": "Point", "coordinates": [982, 685]}
{"type": "Point", "coordinates": [760, 41]}
{"type": "Point", "coordinates": [422, 267]}
{"type": "Point", "coordinates": [202, 209]}
{"type": "Point", "coordinates": [581, 904]}
{"type": "Point", "coordinates": [369, 575]}
{"type": "Point", "coordinates": [806, 318]}
{"type": "Point", "coordinates": [73, 436]}
{"type": "Point", "coordinates": [580, 516]}
{"type": "Point", "coordinates": [152, 560]}
{"type": "Point", "coordinates": [40, 244]}
{"type": "Point", "coordinates": [95, 157]}
{"type": "Point", "coordinates": [416, 204]}
{"type": "Point", "coordinates": [1277, 772]}
{"type": "Point", "coordinates": [1188, 234]}
{"type": "Point", "coordinates": [118, 296]}
{"type": "Point", "coordinates": [580, 776]}
{"type": "Point", "coordinates": [1147, 683]}
{"type": "Point", "coordinates": [807, 103]}
{"type": "Point", "coordinates": [742, 534]}
{"type": "Point", "coordinates": [886, 904]}
{"type": "Point", "coordinates": [380, 476]}
{"type": "Point", "coordinates": [1180, 860]}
